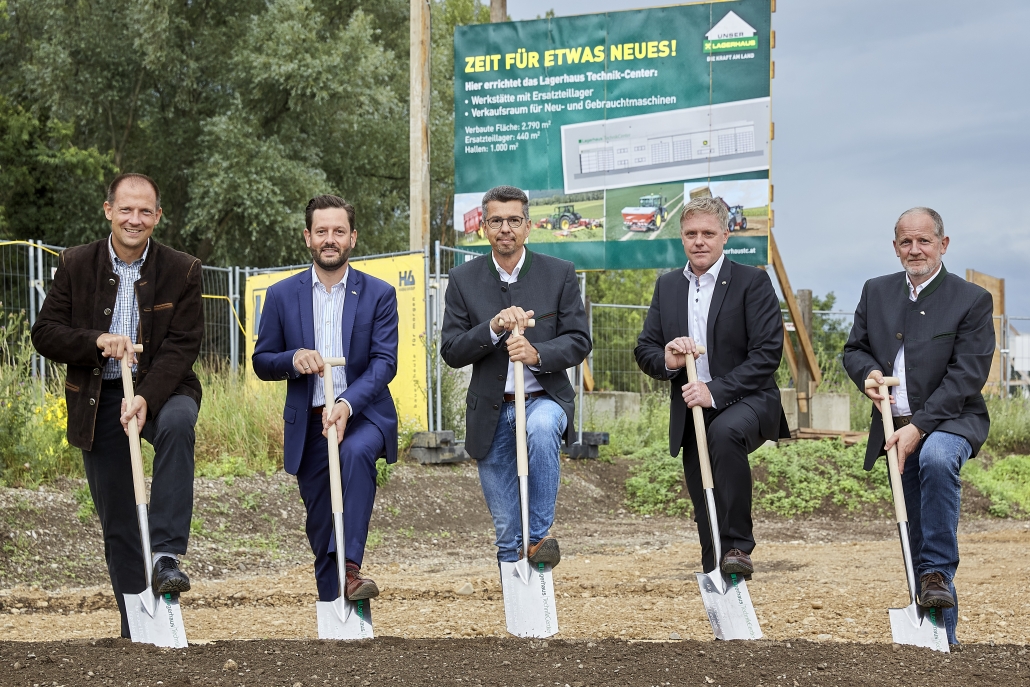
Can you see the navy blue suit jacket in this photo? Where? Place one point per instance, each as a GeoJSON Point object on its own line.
{"type": "Point", "coordinates": [369, 330]}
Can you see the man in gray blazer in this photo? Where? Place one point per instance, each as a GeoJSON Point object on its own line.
{"type": "Point", "coordinates": [935, 332]}
{"type": "Point", "coordinates": [487, 299]}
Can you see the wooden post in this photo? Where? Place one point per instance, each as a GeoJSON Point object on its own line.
{"type": "Point", "coordinates": [996, 287]}
{"type": "Point", "coordinates": [418, 140]}
{"type": "Point", "coordinates": [498, 11]}
{"type": "Point", "coordinates": [804, 378]}
{"type": "Point", "coordinates": [807, 352]}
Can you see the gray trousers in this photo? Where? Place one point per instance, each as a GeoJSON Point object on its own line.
{"type": "Point", "coordinates": [109, 474]}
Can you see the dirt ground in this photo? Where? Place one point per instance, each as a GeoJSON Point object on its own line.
{"type": "Point", "coordinates": [627, 596]}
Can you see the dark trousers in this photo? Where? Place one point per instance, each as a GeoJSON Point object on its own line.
{"type": "Point", "coordinates": [362, 444]}
{"type": "Point", "coordinates": [733, 433]}
{"type": "Point", "coordinates": [109, 474]}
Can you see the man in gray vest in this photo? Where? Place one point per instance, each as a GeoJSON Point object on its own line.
{"type": "Point", "coordinates": [935, 332]}
{"type": "Point", "coordinates": [487, 299]}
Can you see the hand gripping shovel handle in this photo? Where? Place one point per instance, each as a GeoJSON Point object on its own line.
{"type": "Point", "coordinates": [335, 483]}
{"type": "Point", "coordinates": [897, 492]}
{"type": "Point", "coordinates": [701, 435]}
{"type": "Point", "coordinates": [139, 485]}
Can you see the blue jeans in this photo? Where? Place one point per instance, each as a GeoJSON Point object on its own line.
{"type": "Point", "coordinates": [933, 493]}
{"type": "Point", "coordinates": [498, 473]}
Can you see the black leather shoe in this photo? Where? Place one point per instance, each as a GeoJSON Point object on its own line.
{"type": "Point", "coordinates": [934, 591]}
{"type": "Point", "coordinates": [737, 562]}
{"type": "Point", "coordinates": [168, 579]}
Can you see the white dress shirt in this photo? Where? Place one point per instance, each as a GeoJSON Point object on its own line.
{"type": "Point", "coordinates": [532, 385]}
{"type": "Point", "coordinates": [327, 312]}
{"type": "Point", "coordinates": [702, 288]}
{"type": "Point", "coordinates": [900, 407]}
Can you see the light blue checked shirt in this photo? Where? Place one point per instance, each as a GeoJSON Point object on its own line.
{"type": "Point", "coordinates": [327, 308]}
{"type": "Point", "coordinates": [125, 316]}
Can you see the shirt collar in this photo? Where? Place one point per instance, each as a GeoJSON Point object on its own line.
{"type": "Point", "coordinates": [315, 283]}
{"type": "Point", "coordinates": [914, 291]}
{"type": "Point", "coordinates": [518, 267]}
{"type": "Point", "coordinates": [714, 271]}
{"type": "Point", "coordinates": [115, 260]}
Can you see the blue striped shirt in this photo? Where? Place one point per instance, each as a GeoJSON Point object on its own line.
{"type": "Point", "coordinates": [327, 309]}
{"type": "Point", "coordinates": [125, 315]}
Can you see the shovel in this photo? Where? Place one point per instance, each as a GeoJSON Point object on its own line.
{"type": "Point", "coordinates": [528, 590]}
{"type": "Point", "coordinates": [152, 619]}
{"type": "Point", "coordinates": [725, 597]}
{"type": "Point", "coordinates": [912, 625]}
{"type": "Point", "coordinates": [342, 618]}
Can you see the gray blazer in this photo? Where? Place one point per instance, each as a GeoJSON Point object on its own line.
{"type": "Point", "coordinates": [948, 333]}
{"type": "Point", "coordinates": [475, 293]}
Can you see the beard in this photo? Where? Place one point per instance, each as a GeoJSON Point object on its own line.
{"type": "Point", "coordinates": [330, 264]}
{"type": "Point", "coordinates": [927, 268]}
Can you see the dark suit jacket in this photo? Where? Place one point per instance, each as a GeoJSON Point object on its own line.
{"type": "Point", "coordinates": [475, 293]}
{"type": "Point", "coordinates": [948, 334]}
{"type": "Point", "coordinates": [369, 331]}
{"type": "Point", "coordinates": [745, 342]}
{"type": "Point", "coordinates": [77, 310]}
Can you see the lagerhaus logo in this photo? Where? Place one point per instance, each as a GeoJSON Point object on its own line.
{"type": "Point", "coordinates": [731, 34]}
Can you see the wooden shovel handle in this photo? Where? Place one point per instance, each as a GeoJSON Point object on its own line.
{"type": "Point", "coordinates": [897, 492]}
{"type": "Point", "coordinates": [335, 483]}
{"type": "Point", "coordinates": [335, 362]}
{"type": "Point", "coordinates": [699, 428]}
{"type": "Point", "coordinates": [531, 322]}
{"type": "Point", "coordinates": [139, 485]}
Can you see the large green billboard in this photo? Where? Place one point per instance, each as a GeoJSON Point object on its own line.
{"type": "Point", "coordinates": [611, 122]}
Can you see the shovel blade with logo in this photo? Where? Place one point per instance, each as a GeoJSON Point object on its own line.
{"type": "Point", "coordinates": [340, 618]}
{"type": "Point", "coordinates": [152, 619]}
{"type": "Point", "coordinates": [912, 625]}
{"type": "Point", "coordinates": [725, 597]}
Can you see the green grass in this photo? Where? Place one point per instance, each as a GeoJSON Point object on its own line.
{"type": "Point", "coordinates": [1006, 482]}
{"type": "Point", "coordinates": [1010, 425]}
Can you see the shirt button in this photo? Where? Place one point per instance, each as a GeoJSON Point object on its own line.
{"type": "Point", "coordinates": [96, 371]}
{"type": "Point", "coordinates": [898, 336]}
{"type": "Point", "coordinates": [107, 311]}
{"type": "Point", "coordinates": [111, 282]}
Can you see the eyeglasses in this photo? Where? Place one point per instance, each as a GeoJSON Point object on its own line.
{"type": "Point", "coordinates": [495, 223]}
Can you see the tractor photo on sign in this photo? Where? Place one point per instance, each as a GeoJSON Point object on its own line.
{"type": "Point", "coordinates": [649, 215]}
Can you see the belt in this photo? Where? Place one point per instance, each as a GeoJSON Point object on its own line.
{"type": "Point", "coordinates": [902, 421]}
{"type": "Point", "coordinates": [508, 398]}
{"type": "Point", "coordinates": [114, 384]}
{"type": "Point", "coordinates": [317, 410]}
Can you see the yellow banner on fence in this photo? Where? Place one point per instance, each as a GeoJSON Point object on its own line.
{"type": "Point", "coordinates": [406, 273]}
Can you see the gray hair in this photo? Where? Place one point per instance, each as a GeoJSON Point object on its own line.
{"type": "Point", "coordinates": [938, 223]}
{"type": "Point", "coordinates": [716, 207]}
{"type": "Point", "coordinates": [504, 194]}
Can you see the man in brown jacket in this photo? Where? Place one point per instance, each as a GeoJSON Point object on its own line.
{"type": "Point", "coordinates": [106, 296]}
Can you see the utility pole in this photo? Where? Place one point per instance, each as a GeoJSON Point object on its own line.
{"type": "Point", "coordinates": [498, 11]}
{"type": "Point", "coordinates": [804, 381]}
{"type": "Point", "coordinates": [419, 126]}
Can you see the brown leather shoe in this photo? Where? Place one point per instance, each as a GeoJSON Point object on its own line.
{"type": "Point", "coordinates": [737, 562]}
{"type": "Point", "coordinates": [358, 587]}
{"type": "Point", "coordinates": [934, 591]}
{"type": "Point", "coordinates": [545, 551]}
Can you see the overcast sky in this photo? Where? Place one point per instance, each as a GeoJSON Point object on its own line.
{"type": "Point", "coordinates": [883, 105]}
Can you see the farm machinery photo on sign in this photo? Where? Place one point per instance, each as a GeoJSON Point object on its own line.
{"type": "Point", "coordinates": [565, 219]}
{"type": "Point", "coordinates": [649, 215]}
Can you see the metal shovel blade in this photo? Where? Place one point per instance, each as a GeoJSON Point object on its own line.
{"type": "Point", "coordinates": [729, 607]}
{"type": "Point", "coordinates": [529, 609]}
{"type": "Point", "coordinates": [917, 627]}
{"type": "Point", "coordinates": [343, 619]}
{"type": "Point", "coordinates": [155, 620]}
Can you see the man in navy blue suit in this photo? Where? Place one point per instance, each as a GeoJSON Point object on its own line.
{"type": "Point", "coordinates": [331, 310]}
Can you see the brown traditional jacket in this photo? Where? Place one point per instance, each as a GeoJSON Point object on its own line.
{"type": "Point", "coordinates": [78, 308]}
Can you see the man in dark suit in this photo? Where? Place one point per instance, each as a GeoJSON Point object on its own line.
{"type": "Point", "coordinates": [107, 296]}
{"type": "Point", "coordinates": [730, 309]}
{"type": "Point", "coordinates": [487, 299]}
{"type": "Point", "coordinates": [331, 310]}
{"type": "Point", "coordinates": [935, 332]}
